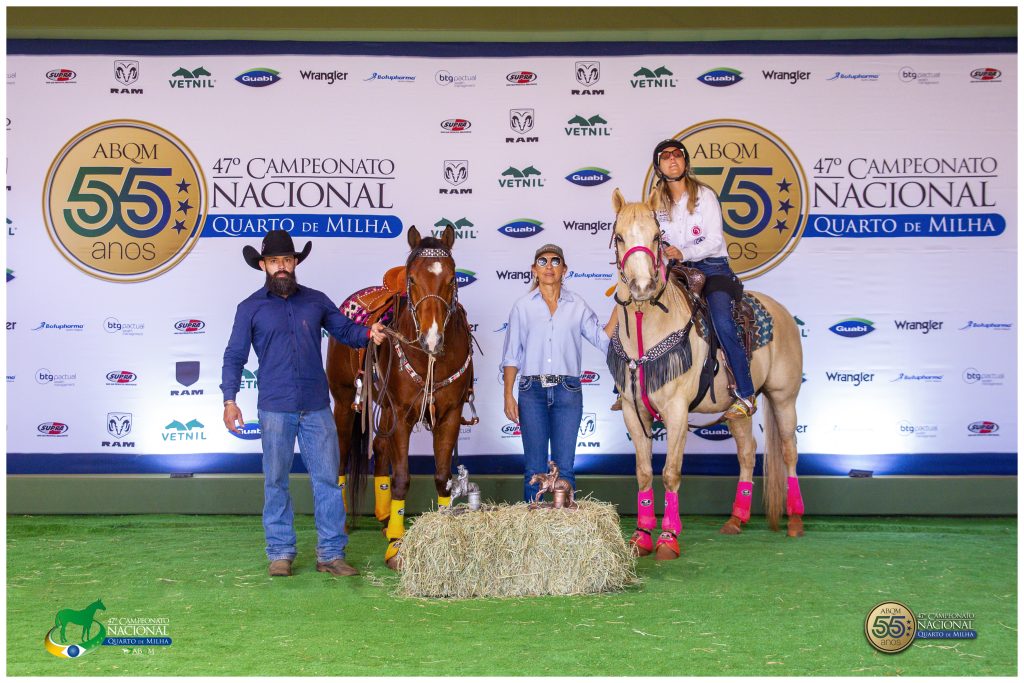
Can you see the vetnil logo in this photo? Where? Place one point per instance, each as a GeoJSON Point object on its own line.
{"type": "Point", "coordinates": [197, 78]}
{"type": "Point", "coordinates": [525, 177]}
{"type": "Point", "coordinates": [660, 77]}
{"type": "Point", "coordinates": [593, 126]}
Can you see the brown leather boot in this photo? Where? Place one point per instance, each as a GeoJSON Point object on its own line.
{"type": "Point", "coordinates": [280, 568]}
{"type": "Point", "coordinates": [338, 567]}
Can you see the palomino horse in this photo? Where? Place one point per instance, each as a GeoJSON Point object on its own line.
{"type": "Point", "coordinates": [428, 338]}
{"type": "Point", "coordinates": [654, 326]}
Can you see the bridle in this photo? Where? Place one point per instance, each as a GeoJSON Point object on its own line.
{"type": "Point", "coordinates": [658, 260]}
{"type": "Point", "coordinates": [450, 304]}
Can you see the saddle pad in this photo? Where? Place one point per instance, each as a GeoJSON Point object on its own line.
{"type": "Point", "coordinates": [764, 324]}
{"type": "Point", "coordinates": [360, 306]}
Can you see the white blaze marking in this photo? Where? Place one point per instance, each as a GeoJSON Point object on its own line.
{"type": "Point", "coordinates": [435, 268]}
{"type": "Point", "coordinates": [432, 337]}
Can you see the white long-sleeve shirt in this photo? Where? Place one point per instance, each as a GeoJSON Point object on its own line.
{"type": "Point", "coordinates": [699, 234]}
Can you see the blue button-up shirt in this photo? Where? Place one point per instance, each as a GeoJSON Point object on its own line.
{"type": "Point", "coordinates": [539, 343]}
{"type": "Point", "coordinates": [286, 335]}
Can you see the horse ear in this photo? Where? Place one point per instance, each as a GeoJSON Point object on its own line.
{"type": "Point", "coordinates": [652, 199]}
{"type": "Point", "coordinates": [617, 201]}
{"type": "Point", "coordinates": [448, 236]}
{"type": "Point", "coordinates": [413, 236]}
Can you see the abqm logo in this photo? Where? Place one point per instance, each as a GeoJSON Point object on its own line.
{"type": "Point", "coordinates": [521, 227]}
{"type": "Point", "coordinates": [853, 327]}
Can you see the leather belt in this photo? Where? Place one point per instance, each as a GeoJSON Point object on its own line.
{"type": "Point", "coordinates": [547, 380]}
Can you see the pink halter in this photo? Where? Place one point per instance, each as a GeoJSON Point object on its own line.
{"type": "Point", "coordinates": [658, 263]}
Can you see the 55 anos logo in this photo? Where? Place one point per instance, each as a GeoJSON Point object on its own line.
{"type": "Point", "coordinates": [760, 184]}
{"type": "Point", "coordinates": [124, 201]}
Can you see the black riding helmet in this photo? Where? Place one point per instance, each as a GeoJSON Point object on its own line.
{"type": "Point", "coordinates": [662, 146]}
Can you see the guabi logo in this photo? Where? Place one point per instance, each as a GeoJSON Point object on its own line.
{"type": "Point", "coordinates": [761, 186]}
{"type": "Point", "coordinates": [716, 433]}
{"type": "Point", "coordinates": [52, 429]}
{"type": "Point", "coordinates": [986, 75]}
{"type": "Point", "coordinates": [521, 78]}
{"type": "Point", "coordinates": [258, 78]}
{"type": "Point", "coordinates": [464, 278]}
{"type": "Point", "coordinates": [521, 227]}
{"type": "Point", "coordinates": [61, 76]}
{"type": "Point", "coordinates": [982, 427]}
{"type": "Point", "coordinates": [589, 176]}
{"type": "Point", "coordinates": [853, 327]}
{"type": "Point", "coordinates": [189, 326]}
{"type": "Point", "coordinates": [250, 431]}
{"type": "Point", "coordinates": [124, 201]}
{"type": "Point", "coordinates": [455, 126]}
{"type": "Point", "coordinates": [121, 377]}
{"type": "Point", "coordinates": [720, 77]}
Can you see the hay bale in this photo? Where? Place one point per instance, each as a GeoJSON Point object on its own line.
{"type": "Point", "coordinates": [511, 551]}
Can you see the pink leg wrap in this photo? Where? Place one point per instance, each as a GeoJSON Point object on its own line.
{"type": "Point", "coordinates": [741, 505]}
{"type": "Point", "coordinates": [794, 501]}
{"type": "Point", "coordinates": [670, 522]}
{"type": "Point", "coordinates": [645, 517]}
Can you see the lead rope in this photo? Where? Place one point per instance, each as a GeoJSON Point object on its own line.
{"type": "Point", "coordinates": [428, 391]}
{"type": "Point", "coordinates": [369, 365]}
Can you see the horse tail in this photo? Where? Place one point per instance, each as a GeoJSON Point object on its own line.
{"type": "Point", "coordinates": [774, 465]}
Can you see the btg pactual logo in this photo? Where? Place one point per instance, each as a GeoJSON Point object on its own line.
{"type": "Point", "coordinates": [760, 184]}
{"type": "Point", "coordinates": [124, 201]}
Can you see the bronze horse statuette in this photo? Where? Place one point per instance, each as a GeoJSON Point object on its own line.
{"type": "Point", "coordinates": [559, 488]}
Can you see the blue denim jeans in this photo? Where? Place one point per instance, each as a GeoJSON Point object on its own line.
{"type": "Point", "coordinates": [549, 415]}
{"type": "Point", "coordinates": [720, 304]}
{"type": "Point", "coordinates": [318, 446]}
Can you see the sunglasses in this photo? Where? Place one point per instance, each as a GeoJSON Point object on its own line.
{"type": "Point", "coordinates": [671, 154]}
{"type": "Point", "coordinates": [543, 261]}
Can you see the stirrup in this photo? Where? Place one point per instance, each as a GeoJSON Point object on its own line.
{"type": "Point", "coordinates": [741, 408]}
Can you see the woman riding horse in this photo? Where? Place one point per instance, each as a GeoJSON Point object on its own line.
{"type": "Point", "coordinates": [656, 356]}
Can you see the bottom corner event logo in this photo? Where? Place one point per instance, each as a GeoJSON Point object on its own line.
{"type": "Point", "coordinates": [96, 187]}
{"type": "Point", "coordinates": [57, 642]}
{"type": "Point", "coordinates": [760, 184]}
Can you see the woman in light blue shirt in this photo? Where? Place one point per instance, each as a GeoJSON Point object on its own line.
{"type": "Point", "coordinates": [543, 344]}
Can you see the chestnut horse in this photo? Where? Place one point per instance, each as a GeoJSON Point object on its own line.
{"type": "Point", "coordinates": [423, 372]}
{"type": "Point", "coordinates": [654, 325]}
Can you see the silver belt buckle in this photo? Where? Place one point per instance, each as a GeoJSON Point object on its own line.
{"type": "Point", "coordinates": [547, 381]}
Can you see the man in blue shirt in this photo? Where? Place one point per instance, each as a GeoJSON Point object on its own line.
{"type": "Point", "coordinates": [282, 321]}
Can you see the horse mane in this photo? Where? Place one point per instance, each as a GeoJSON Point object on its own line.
{"type": "Point", "coordinates": [425, 243]}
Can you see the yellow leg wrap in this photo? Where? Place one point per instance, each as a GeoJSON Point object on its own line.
{"type": "Point", "coordinates": [341, 484]}
{"type": "Point", "coordinates": [393, 548]}
{"type": "Point", "coordinates": [396, 525]}
{"type": "Point", "coordinates": [444, 501]}
{"type": "Point", "coordinates": [381, 497]}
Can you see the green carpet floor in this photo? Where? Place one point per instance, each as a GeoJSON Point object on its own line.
{"type": "Point", "coordinates": [756, 604]}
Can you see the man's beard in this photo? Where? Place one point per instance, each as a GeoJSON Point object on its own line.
{"type": "Point", "coordinates": [283, 283]}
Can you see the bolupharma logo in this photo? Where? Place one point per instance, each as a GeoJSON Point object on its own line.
{"type": "Point", "coordinates": [521, 227]}
{"type": "Point", "coordinates": [721, 77]}
{"type": "Point", "coordinates": [916, 377]}
{"type": "Point", "coordinates": [589, 176]}
{"type": "Point", "coordinates": [455, 126]}
{"type": "Point", "coordinates": [60, 327]}
{"type": "Point", "coordinates": [393, 78]}
{"type": "Point", "coordinates": [464, 278]}
{"type": "Point", "coordinates": [521, 78]}
{"type": "Point", "coordinates": [1002, 327]}
{"type": "Point", "coordinates": [853, 327]}
{"type": "Point", "coordinates": [986, 75]}
{"type": "Point", "coordinates": [61, 76]}
{"type": "Point", "coordinates": [982, 428]}
{"type": "Point", "coordinates": [843, 76]}
{"type": "Point", "coordinates": [121, 378]}
{"type": "Point", "coordinates": [250, 431]}
{"type": "Point", "coordinates": [189, 326]}
{"type": "Point", "coordinates": [52, 429]}
{"type": "Point", "coordinates": [718, 432]}
{"type": "Point", "coordinates": [258, 78]}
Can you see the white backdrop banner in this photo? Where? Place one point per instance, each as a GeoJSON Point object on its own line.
{"type": "Point", "coordinates": [873, 195]}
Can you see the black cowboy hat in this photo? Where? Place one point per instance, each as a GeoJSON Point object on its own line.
{"type": "Point", "coordinates": [275, 243]}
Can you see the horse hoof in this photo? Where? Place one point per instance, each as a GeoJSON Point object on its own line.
{"type": "Point", "coordinates": [732, 527]}
{"type": "Point", "coordinates": [393, 556]}
{"type": "Point", "coordinates": [795, 527]}
{"type": "Point", "coordinates": [641, 542]}
{"type": "Point", "coordinates": [668, 547]}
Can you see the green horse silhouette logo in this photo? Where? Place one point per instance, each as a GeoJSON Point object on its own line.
{"type": "Point", "coordinates": [86, 618]}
